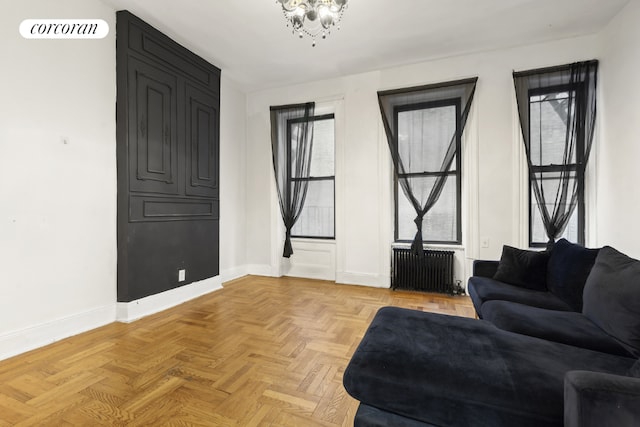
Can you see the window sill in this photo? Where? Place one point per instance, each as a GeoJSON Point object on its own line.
{"type": "Point", "coordinates": [320, 241]}
{"type": "Point", "coordinates": [450, 247]}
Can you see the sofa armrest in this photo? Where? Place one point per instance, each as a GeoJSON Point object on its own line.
{"type": "Point", "coordinates": [596, 399]}
{"type": "Point", "coordinates": [485, 268]}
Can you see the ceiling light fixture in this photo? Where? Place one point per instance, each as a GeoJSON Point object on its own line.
{"type": "Point", "coordinates": [313, 17]}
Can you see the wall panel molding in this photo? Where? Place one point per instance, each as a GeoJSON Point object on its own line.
{"type": "Point", "coordinates": [152, 208]}
{"type": "Point", "coordinates": [153, 133]}
{"type": "Point", "coordinates": [168, 137]}
{"type": "Point", "coordinates": [145, 40]}
{"type": "Point", "coordinates": [203, 148]}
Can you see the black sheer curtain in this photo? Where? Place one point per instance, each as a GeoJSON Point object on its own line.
{"type": "Point", "coordinates": [410, 159]}
{"type": "Point", "coordinates": [291, 144]}
{"type": "Point", "coordinates": [576, 108]}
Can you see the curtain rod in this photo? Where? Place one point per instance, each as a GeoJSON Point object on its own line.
{"type": "Point", "coordinates": [287, 107]}
{"type": "Point", "coordinates": [427, 87]}
{"type": "Point", "coordinates": [551, 69]}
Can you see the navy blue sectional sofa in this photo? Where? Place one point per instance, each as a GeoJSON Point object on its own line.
{"type": "Point", "coordinates": [558, 345]}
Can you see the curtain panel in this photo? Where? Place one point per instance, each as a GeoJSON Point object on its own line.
{"type": "Point", "coordinates": [570, 91]}
{"type": "Point", "coordinates": [291, 145]}
{"type": "Point", "coordinates": [411, 154]}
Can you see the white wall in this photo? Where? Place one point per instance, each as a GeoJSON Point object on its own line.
{"type": "Point", "coordinates": [233, 211]}
{"type": "Point", "coordinates": [57, 178]}
{"type": "Point", "coordinates": [618, 171]}
{"type": "Point", "coordinates": [363, 242]}
{"type": "Point", "coordinates": [58, 247]}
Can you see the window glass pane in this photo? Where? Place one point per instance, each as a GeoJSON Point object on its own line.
{"type": "Point", "coordinates": [440, 223]}
{"type": "Point", "coordinates": [323, 153]}
{"type": "Point", "coordinates": [295, 130]}
{"type": "Point", "coordinates": [549, 128]}
{"type": "Point", "coordinates": [424, 136]}
{"type": "Point", "coordinates": [538, 234]}
{"type": "Point", "coordinates": [317, 217]}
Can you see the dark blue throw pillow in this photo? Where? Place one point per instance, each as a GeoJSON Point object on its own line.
{"type": "Point", "coordinates": [611, 297]}
{"type": "Point", "coordinates": [567, 271]}
{"type": "Point", "coordinates": [519, 267]}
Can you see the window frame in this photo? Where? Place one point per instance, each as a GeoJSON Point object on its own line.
{"type": "Point", "coordinates": [291, 179]}
{"type": "Point", "coordinates": [457, 103]}
{"type": "Point", "coordinates": [577, 168]}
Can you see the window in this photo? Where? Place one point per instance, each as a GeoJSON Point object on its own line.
{"type": "Point", "coordinates": [424, 126]}
{"type": "Point", "coordinates": [549, 109]}
{"type": "Point", "coordinates": [316, 219]}
{"type": "Point", "coordinates": [424, 137]}
{"type": "Point", "coordinates": [557, 112]}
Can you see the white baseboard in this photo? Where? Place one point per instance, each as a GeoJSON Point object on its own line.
{"type": "Point", "coordinates": [233, 273]}
{"type": "Point", "coordinates": [129, 311]}
{"type": "Point", "coordinates": [21, 341]}
{"type": "Point", "coordinates": [261, 270]}
{"type": "Point", "coordinates": [373, 280]}
{"type": "Point", "coordinates": [27, 339]}
{"type": "Point", "coordinates": [311, 272]}
{"type": "Point", "coordinates": [362, 279]}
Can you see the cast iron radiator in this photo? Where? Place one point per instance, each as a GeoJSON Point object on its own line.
{"type": "Point", "coordinates": [432, 273]}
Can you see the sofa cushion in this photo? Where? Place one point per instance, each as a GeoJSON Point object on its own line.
{"type": "Point", "coordinates": [612, 297]}
{"type": "Point", "coordinates": [635, 369]}
{"type": "Point", "coordinates": [566, 327]}
{"type": "Point", "coordinates": [519, 267]}
{"type": "Point", "coordinates": [485, 268]}
{"type": "Point", "coordinates": [456, 372]}
{"type": "Point", "coordinates": [567, 271]}
{"type": "Point", "coordinates": [482, 289]}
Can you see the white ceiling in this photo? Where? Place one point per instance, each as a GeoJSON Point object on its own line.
{"type": "Point", "coordinates": [249, 41]}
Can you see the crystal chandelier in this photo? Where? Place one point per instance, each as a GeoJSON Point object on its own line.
{"type": "Point", "coordinates": [313, 17]}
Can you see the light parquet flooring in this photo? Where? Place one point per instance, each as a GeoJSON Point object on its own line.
{"type": "Point", "coordinates": [260, 352]}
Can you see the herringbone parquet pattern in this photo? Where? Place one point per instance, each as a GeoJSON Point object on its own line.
{"type": "Point", "coordinates": [260, 352]}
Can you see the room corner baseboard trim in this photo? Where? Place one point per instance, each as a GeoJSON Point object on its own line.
{"type": "Point", "coordinates": [311, 272]}
{"type": "Point", "coordinates": [233, 273]}
{"type": "Point", "coordinates": [372, 280]}
{"type": "Point", "coordinates": [37, 336]}
{"type": "Point", "coordinates": [262, 270]}
{"type": "Point", "coordinates": [130, 311]}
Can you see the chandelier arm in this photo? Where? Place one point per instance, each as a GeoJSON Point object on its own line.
{"type": "Point", "coordinates": [313, 17]}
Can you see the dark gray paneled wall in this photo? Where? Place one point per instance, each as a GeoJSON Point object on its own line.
{"type": "Point", "coordinates": [168, 162]}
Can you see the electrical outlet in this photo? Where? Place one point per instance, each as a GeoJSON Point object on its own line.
{"type": "Point", "coordinates": [181, 275]}
{"type": "Point", "coordinates": [484, 242]}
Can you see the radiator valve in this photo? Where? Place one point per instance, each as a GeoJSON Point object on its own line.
{"type": "Point", "coordinates": [458, 289]}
